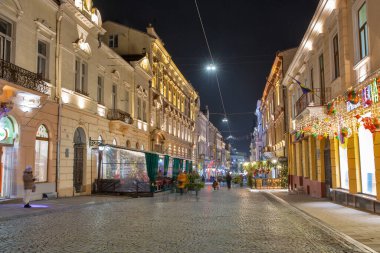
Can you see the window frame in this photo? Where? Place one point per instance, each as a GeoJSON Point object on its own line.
{"type": "Point", "coordinates": [40, 139]}
{"type": "Point", "coordinates": [7, 41]}
{"type": "Point", "coordinates": [363, 28]}
{"type": "Point", "coordinates": [45, 74]}
{"type": "Point", "coordinates": [322, 81]}
{"type": "Point", "coordinates": [113, 40]}
{"type": "Point", "coordinates": [114, 96]}
{"type": "Point", "coordinates": [81, 76]}
{"type": "Point", "coordinates": [100, 90]}
{"type": "Point", "coordinates": [336, 55]}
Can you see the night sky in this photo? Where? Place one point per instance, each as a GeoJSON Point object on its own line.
{"type": "Point", "coordinates": [244, 36]}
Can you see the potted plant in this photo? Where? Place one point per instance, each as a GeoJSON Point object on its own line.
{"type": "Point", "coordinates": [194, 182]}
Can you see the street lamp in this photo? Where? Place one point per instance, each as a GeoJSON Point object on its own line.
{"type": "Point", "coordinates": [225, 120]}
{"type": "Point", "coordinates": [211, 68]}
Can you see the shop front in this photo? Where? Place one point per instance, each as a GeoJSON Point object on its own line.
{"type": "Point", "coordinates": [8, 181]}
{"type": "Point", "coordinates": [343, 145]}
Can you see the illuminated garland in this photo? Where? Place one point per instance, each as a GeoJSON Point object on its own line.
{"type": "Point", "coordinates": [343, 115]}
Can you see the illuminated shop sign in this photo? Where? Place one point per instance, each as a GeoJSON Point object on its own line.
{"type": "Point", "coordinates": [7, 133]}
{"type": "Point", "coordinates": [369, 96]}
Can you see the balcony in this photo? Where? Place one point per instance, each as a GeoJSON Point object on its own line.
{"type": "Point", "coordinates": [22, 77]}
{"type": "Point", "coordinates": [312, 99]}
{"type": "Point", "coordinates": [119, 120]}
{"type": "Point", "coordinates": [120, 115]}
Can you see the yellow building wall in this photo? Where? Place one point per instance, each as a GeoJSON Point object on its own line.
{"type": "Point", "coordinates": [376, 148]}
{"type": "Point", "coordinates": [321, 163]}
{"type": "Point", "coordinates": [312, 158]}
{"type": "Point", "coordinates": [353, 164]}
{"type": "Point", "coordinates": [298, 159]}
{"type": "Point", "coordinates": [335, 167]}
{"type": "Point", "coordinates": [305, 158]}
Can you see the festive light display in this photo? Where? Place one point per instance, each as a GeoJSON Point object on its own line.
{"type": "Point", "coordinates": [344, 114]}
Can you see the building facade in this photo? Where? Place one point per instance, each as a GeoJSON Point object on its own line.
{"type": "Point", "coordinates": [272, 110]}
{"type": "Point", "coordinates": [28, 108]}
{"type": "Point", "coordinates": [173, 102]}
{"type": "Point", "coordinates": [334, 140]}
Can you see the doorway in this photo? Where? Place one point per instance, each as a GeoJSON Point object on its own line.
{"type": "Point", "coordinates": [79, 159]}
{"type": "Point", "coordinates": [327, 164]}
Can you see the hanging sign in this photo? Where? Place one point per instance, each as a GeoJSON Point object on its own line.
{"type": "Point", "coordinates": [369, 96]}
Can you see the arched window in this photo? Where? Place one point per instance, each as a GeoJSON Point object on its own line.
{"type": "Point", "coordinates": [137, 145]}
{"type": "Point", "coordinates": [128, 144]}
{"type": "Point", "coordinates": [114, 142]}
{"type": "Point", "coordinates": [42, 152]}
{"type": "Point", "coordinates": [142, 146]}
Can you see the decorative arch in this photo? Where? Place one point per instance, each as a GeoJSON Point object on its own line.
{"type": "Point", "coordinates": [137, 145]}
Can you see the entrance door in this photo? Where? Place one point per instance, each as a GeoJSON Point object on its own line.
{"type": "Point", "coordinates": [327, 163]}
{"type": "Point", "coordinates": [79, 159]}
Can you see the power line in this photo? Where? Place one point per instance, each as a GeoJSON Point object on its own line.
{"type": "Point", "coordinates": [231, 114]}
{"type": "Point", "coordinates": [212, 61]}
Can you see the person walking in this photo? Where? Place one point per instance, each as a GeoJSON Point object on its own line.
{"type": "Point", "coordinates": [228, 179]}
{"type": "Point", "coordinates": [28, 185]}
{"type": "Point", "coordinates": [182, 181]}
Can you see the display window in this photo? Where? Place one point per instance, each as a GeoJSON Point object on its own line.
{"type": "Point", "coordinates": [367, 164]}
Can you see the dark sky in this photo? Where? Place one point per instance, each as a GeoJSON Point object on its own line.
{"type": "Point", "coordinates": [244, 36]}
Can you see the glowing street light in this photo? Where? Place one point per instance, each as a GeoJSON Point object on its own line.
{"type": "Point", "coordinates": [225, 120]}
{"type": "Point", "coordinates": [211, 68]}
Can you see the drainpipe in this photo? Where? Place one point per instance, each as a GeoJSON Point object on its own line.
{"type": "Point", "coordinates": [58, 95]}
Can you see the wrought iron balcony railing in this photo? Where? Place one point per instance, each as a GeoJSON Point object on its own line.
{"type": "Point", "coordinates": [25, 78]}
{"type": "Point", "coordinates": [315, 98]}
{"type": "Point", "coordinates": [116, 114]}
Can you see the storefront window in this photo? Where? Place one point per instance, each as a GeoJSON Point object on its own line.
{"type": "Point", "coordinates": [42, 151]}
{"type": "Point", "coordinates": [367, 165]}
{"type": "Point", "coordinates": [343, 162]}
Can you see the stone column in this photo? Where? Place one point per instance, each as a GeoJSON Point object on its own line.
{"type": "Point", "coordinates": [353, 164]}
{"type": "Point", "coordinates": [335, 166]}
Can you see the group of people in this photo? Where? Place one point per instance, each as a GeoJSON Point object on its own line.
{"type": "Point", "coordinates": [216, 183]}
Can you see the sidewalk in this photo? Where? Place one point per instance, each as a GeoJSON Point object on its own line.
{"type": "Point", "coordinates": [12, 210]}
{"type": "Point", "coordinates": [361, 226]}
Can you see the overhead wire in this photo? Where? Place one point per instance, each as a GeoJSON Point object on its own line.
{"type": "Point", "coordinates": [212, 61]}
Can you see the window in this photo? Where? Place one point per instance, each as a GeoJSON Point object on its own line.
{"type": "Point", "coordinates": [144, 111]}
{"type": "Point", "coordinates": [42, 59]}
{"type": "Point", "coordinates": [367, 164]}
{"type": "Point", "coordinates": [100, 92]}
{"type": "Point", "coordinates": [312, 83]}
{"type": "Point", "coordinates": [363, 31]}
{"type": "Point", "coordinates": [336, 56]}
{"type": "Point", "coordinates": [322, 78]}
{"type": "Point", "coordinates": [114, 96]}
{"type": "Point", "coordinates": [81, 76]}
{"type": "Point", "coordinates": [139, 108]}
{"type": "Point", "coordinates": [113, 41]}
{"type": "Point", "coordinates": [127, 103]}
{"type": "Point", "coordinates": [5, 40]}
{"type": "Point", "coordinates": [41, 155]}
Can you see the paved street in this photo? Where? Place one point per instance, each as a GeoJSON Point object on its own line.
{"type": "Point", "coordinates": [217, 221]}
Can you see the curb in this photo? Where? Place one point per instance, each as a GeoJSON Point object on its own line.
{"type": "Point", "coordinates": [325, 226]}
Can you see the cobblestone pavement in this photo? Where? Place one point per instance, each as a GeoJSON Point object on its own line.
{"type": "Point", "coordinates": [217, 221]}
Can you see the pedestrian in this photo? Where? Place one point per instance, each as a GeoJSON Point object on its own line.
{"type": "Point", "coordinates": [215, 185]}
{"type": "Point", "coordinates": [228, 179]}
{"type": "Point", "coordinates": [28, 185]}
{"type": "Point", "coordinates": [182, 181]}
